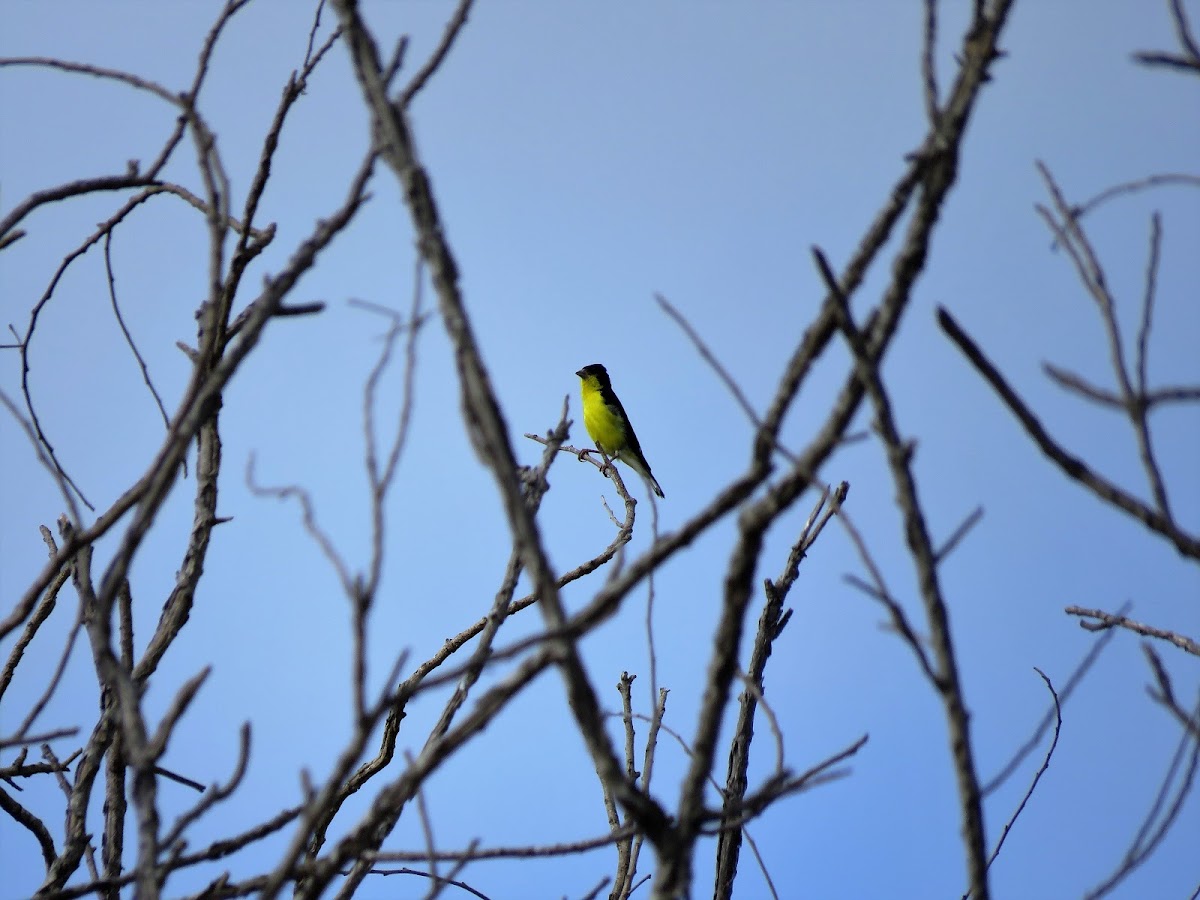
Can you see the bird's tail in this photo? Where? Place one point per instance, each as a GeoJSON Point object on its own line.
{"type": "Point", "coordinates": [631, 460]}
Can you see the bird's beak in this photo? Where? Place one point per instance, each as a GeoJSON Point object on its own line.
{"type": "Point", "coordinates": [580, 373]}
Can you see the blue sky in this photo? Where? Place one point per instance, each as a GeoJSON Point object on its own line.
{"type": "Point", "coordinates": [585, 158]}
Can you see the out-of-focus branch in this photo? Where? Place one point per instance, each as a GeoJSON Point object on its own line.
{"type": "Point", "coordinates": [1189, 59]}
{"type": "Point", "coordinates": [453, 27]}
{"type": "Point", "coordinates": [928, 63]}
{"type": "Point", "coordinates": [1073, 467]}
{"type": "Point", "coordinates": [1164, 694]}
{"type": "Point", "coordinates": [878, 590]}
{"type": "Point", "coordinates": [71, 189]}
{"type": "Point", "coordinates": [920, 547]}
{"type": "Point", "coordinates": [715, 364]}
{"type": "Point", "coordinates": [1166, 179]}
{"type": "Point", "coordinates": [30, 823]}
{"type": "Point", "coordinates": [1173, 790]}
{"type": "Point", "coordinates": [933, 169]}
{"type": "Point", "coordinates": [1072, 381]}
{"type": "Point", "coordinates": [959, 534]}
{"type": "Point", "coordinates": [1131, 379]}
{"type": "Point", "coordinates": [565, 848]}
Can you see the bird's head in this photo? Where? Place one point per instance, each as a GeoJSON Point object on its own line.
{"type": "Point", "coordinates": [594, 371]}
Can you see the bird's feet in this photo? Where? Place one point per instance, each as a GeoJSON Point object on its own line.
{"type": "Point", "coordinates": [605, 467]}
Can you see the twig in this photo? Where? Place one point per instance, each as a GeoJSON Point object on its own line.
{"type": "Point", "coordinates": [1036, 778]}
{"type": "Point", "coordinates": [709, 357]}
{"type": "Point", "coordinates": [928, 66]}
{"type": "Point", "coordinates": [958, 534]}
{"type": "Point", "coordinates": [1073, 681]}
{"type": "Point", "coordinates": [1165, 695]}
{"type": "Point", "coordinates": [1189, 60]}
{"type": "Point", "coordinates": [30, 823]}
{"type": "Point", "coordinates": [141, 361]}
{"type": "Point", "coordinates": [920, 546]}
{"type": "Point", "coordinates": [566, 848]}
{"type": "Point", "coordinates": [1070, 465]}
{"type": "Point", "coordinates": [1106, 620]}
{"type": "Point", "coordinates": [1133, 187]}
{"type": "Point", "coordinates": [1150, 834]}
{"type": "Point", "coordinates": [453, 27]}
{"type": "Point", "coordinates": [879, 590]}
{"type": "Point", "coordinates": [485, 425]}
{"type": "Point", "coordinates": [1150, 399]}
{"type": "Point", "coordinates": [771, 623]}
{"type": "Point", "coordinates": [54, 735]}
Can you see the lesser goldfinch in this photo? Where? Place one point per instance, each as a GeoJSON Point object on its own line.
{"type": "Point", "coordinates": [606, 422]}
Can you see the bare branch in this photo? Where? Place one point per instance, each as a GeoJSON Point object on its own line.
{"type": "Point", "coordinates": [1169, 179]}
{"type": "Point", "coordinates": [771, 623]}
{"type": "Point", "coordinates": [485, 424]}
{"type": "Point", "coordinates": [1106, 620]}
{"type": "Point", "coordinates": [453, 27]}
{"type": "Point", "coordinates": [1036, 778]}
{"type": "Point", "coordinates": [1165, 694]}
{"type": "Point", "coordinates": [1051, 716]}
{"type": "Point", "coordinates": [30, 823]}
{"type": "Point", "coordinates": [709, 357]}
{"type": "Point", "coordinates": [1071, 466]}
{"type": "Point", "coordinates": [920, 547]}
{"type": "Point", "coordinates": [1165, 809]}
{"type": "Point", "coordinates": [55, 735]}
{"type": "Point", "coordinates": [928, 65]}
{"type": "Point", "coordinates": [959, 533]}
{"type": "Point", "coordinates": [566, 848]}
{"type": "Point", "coordinates": [141, 361]}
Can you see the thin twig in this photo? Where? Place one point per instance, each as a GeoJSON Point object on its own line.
{"type": "Point", "coordinates": [1074, 680]}
{"type": "Point", "coordinates": [928, 65]}
{"type": "Point", "coordinates": [141, 361]}
{"type": "Point", "coordinates": [453, 27]}
{"type": "Point", "coordinates": [1036, 778]}
{"type": "Point", "coordinates": [1133, 187]}
{"type": "Point", "coordinates": [1106, 620]}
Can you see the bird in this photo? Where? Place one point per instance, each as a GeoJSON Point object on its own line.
{"type": "Point", "coordinates": [609, 426]}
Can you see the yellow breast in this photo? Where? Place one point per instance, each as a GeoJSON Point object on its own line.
{"type": "Point", "coordinates": [605, 427]}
